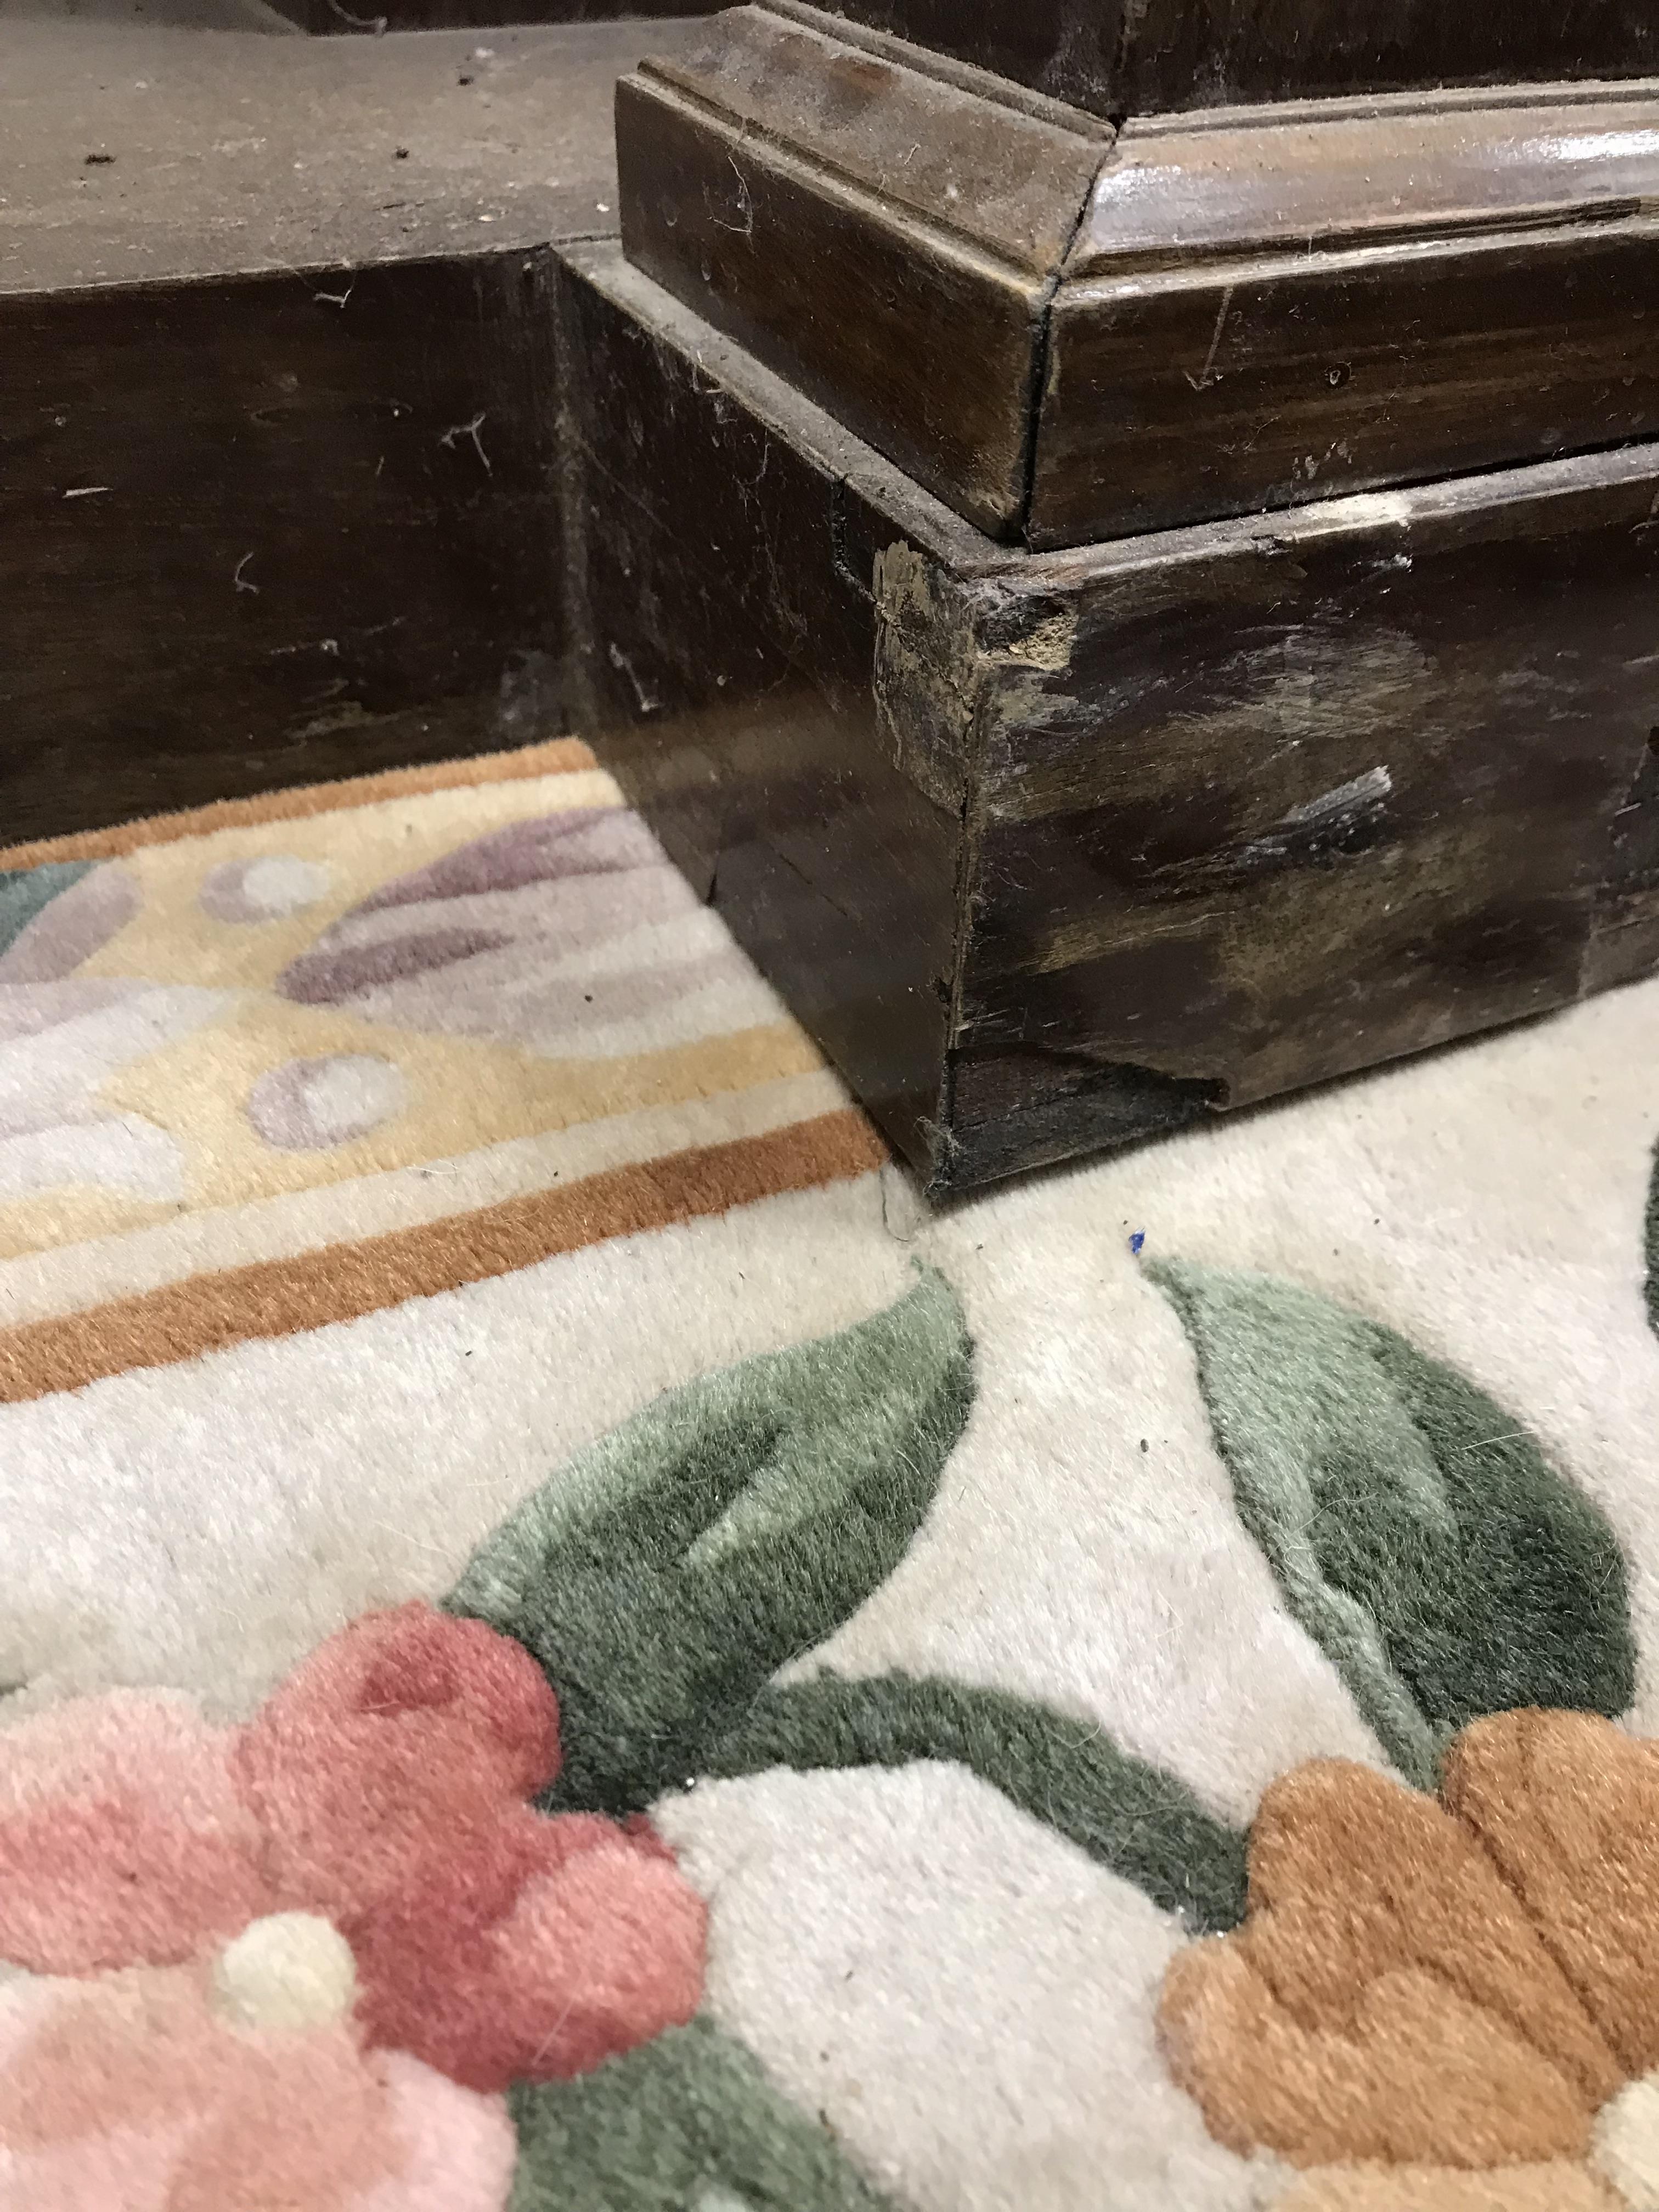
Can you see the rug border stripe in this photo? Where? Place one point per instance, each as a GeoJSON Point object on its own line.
{"type": "Point", "coordinates": [553, 756]}
{"type": "Point", "coordinates": [342, 1282]}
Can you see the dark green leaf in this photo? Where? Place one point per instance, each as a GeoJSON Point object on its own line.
{"type": "Point", "coordinates": [665, 1575]}
{"type": "Point", "coordinates": [685, 2122]}
{"type": "Point", "coordinates": [1140, 1822]}
{"type": "Point", "coordinates": [1415, 1528]}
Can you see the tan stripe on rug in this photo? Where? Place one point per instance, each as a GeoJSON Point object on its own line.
{"type": "Point", "coordinates": [205, 1312]}
{"type": "Point", "coordinates": [554, 756]}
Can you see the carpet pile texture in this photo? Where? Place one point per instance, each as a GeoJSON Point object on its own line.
{"type": "Point", "coordinates": [566, 1646]}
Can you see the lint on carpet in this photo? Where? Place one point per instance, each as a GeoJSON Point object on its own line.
{"type": "Point", "coordinates": [566, 1647]}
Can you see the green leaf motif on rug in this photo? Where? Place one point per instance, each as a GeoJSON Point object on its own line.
{"type": "Point", "coordinates": [1141, 1823]}
{"type": "Point", "coordinates": [664, 1575]}
{"type": "Point", "coordinates": [687, 2124]}
{"type": "Point", "coordinates": [25, 892]}
{"type": "Point", "coordinates": [1415, 1528]}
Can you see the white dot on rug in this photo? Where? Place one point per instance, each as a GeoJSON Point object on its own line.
{"type": "Point", "coordinates": [287, 1971]}
{"type": "Point", "coordinates": [1624, 2144]}
{"type": "Point", "coordinates": [307, 1105]}
{"type": "Point", "coordinates": [264, 889]}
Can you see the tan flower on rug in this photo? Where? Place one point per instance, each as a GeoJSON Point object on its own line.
{"type": "Point", "coordinates": [347, 1909]}
{"type": "Point", "coordinates": [1443, 2007]}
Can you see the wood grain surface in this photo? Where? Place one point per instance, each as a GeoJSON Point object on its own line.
{"type": "Point", "coordinates": [243, 523]}
{"type": "Point", "coordinates": [1154, 56]}
{"type": "Point", "coordinates": [1289, 304]}
{"type": "Point", "coordinates": [886, 238]}
{"type": "Point", "coordinates": [277, 492]}
{"type": "Point", "coordinates": [722, 533]}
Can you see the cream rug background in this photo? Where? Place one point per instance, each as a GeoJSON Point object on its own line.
{"type": "Point", "coordinates": [199, 1491]}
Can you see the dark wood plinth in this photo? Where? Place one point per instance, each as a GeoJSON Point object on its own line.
{"type": "Point", "coordinates": [1056, 851]}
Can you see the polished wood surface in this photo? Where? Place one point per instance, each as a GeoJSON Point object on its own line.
{"type": "Point", "coordinates": [1116, 836]}
{"type": "Point", "coordinates": [1277, 305]}
{"type": "Point", "coordinates": [1071, 334]}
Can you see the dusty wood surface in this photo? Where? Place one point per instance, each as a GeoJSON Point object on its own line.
{"type": "Point", "coordinates": [1267, 802]}
{"type": "Point", "coordinates": [212, 584]}
{"type": "Point", "coordinates": [286, 507]}
{"type": "Point", "coordinates": [335, 18]}
{"type": "Point", "coordinates": [887, 238]}
{"type": "Point", "coordinates": [722, 532]}
{"type": "Point", "coordinates": [1125, 835]}
{"type": "Point", "coordinates": [224, 153]}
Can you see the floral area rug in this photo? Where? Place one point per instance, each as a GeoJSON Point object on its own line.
{"type": "Point", "coordinates": [567, 1647]}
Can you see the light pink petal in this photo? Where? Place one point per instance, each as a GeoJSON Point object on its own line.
{"type": "Point", "coordinates": [125, 2170]}
{"type": "Point", "coordinates": [128, 2093]}
{"type": "Point", "coordinates": [123, 1836]}
{"type": "Point", "coordinates": [457, 2150]}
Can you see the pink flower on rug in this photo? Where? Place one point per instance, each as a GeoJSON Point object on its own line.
{"type": "Point", "coordinates": [156, 2088]}
{"type": "Point", "coordinates": [384, 1790]}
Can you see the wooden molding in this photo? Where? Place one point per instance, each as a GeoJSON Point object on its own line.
{"type": "Point", "coordinates": [886, 234]}
{"type": "Point", "coordinates": [1069, 333]}
{"type": "Point", "coordinates": [1288, 305]}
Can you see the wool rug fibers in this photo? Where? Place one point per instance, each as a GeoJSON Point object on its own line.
{"type": "Point", "coordinates": [566, 1647]}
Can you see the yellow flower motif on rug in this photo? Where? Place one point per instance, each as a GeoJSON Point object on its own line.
{"type": "Point", "coordinates": [1444, 2006]}
{"type": "Point", "coordinates": [285, 1061]}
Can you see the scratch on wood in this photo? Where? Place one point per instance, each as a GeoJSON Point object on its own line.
{"type": "Point", "coordinates": [1206, 376]}
{"type": "Point", "coordinates": [744, 227]}
{"type": "Point", "coordinates": [648, 700]}
{"type": "Point", "coordinates": [374, 24]}
{"type": "Point", "coordinates": [469, 430]}
{"type": "Point", "coordinates": [239, 579]}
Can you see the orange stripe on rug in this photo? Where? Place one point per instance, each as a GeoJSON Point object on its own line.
{"type": "Point", "coordinates": [554, 756]}
{"type": "Point", "coordinates": [340, 1282]}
